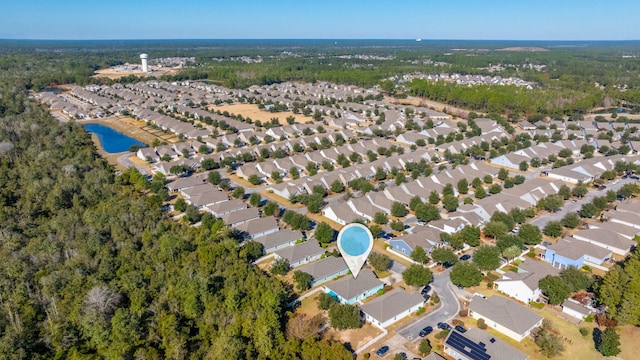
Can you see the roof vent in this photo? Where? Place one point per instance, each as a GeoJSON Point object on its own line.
{"type": "Point", "coordinates": [492, 340]}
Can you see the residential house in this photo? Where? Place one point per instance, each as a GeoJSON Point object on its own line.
{"type": "Point", "coordinates": [226, 207]}
{"type": "Point", "coordinates": [476, 344]}
{"type": "Point", "coordinates": [572, 252]}
{"type": "Point", "coordinates": [325, 269]}
{"type": "Point", "coordinates": [523, 284]}
{"type": "Point", "coordinates": [391, 307]}
{"type": "Point", "coordinates": [148, 154]}
{"type": "Point", "coordinates": [575, 309]}
{"type": "Point", "coordinates": [505, 316]}
{"type": "Point", "coordinates": [236, 218]}
{"type": "Point", "coordinates": [423, 236]}
{"type": "Point", "coordinates": [300, 254]}
{"type": "Point", "coordinates": [258, 227]}
{"type": "Point", "coordinates": [611, 241]}
{"type": "Point", "coordinates": [280, 239]}
{"type": "Point", "coordinates": [349, 290]}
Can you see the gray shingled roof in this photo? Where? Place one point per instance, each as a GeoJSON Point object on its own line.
{"type": "Point", "coordinates": [278, 238]}
{"type": "Point", "coordinates": [391, 304]}
{"type": "Point", "coordinates": [505, 312]}
{"type": "Point", "coordinates": [325, 267]}
{"type": "Point", "coordinates": [300, 251]}
{"type": "Point", "coordinates": [350, 287]}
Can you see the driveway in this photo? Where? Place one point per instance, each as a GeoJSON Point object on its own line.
{"type": "Point", "coordinates": [447, 309]}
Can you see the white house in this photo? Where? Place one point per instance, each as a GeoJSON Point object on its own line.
{"type": "Point", "coordinates": [505, 316]}
{"type": "Point", "coordinates": [391, 307]}
{"type": "Point", "coordinates": [575, 309]}
{"type": "Point", "coordinates": [523, 284]}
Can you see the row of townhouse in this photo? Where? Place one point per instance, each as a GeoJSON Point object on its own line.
{"type": "Point", "coordinates": [600, 244]}
{"type": "Point", "coordinates": [167, 123]}
{"type": "Point", "coordinates": [588, 170]}
{"type": "Point", "coordinates": [522, 196]}
{"type": "Point", "coordinates": [366, 206]}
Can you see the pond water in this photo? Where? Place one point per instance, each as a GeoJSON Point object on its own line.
{"type": "Point", "coordinates": [111, 140]}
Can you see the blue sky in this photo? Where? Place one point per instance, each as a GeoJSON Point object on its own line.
{"type": "Point", "coordinates": [328, 19]}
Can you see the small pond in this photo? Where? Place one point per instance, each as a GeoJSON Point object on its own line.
{"type": "Point", "coordinates": [111, 140]}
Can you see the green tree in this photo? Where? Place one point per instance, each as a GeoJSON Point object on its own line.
{"type": "Point", "coordinates": [607, 342]}
{"type": "Point", "coordinates": [553, 229]}
{"type": "Point", "coordinates": [450, 203]}
{"type": "Point", "coordinates": [466, 274]}
{"type": "Point", "coordinates": [571, 220]}
{"type": "Point", "coordinates": [444, 255]}
{"type": "Point", "coordinates": [495, 229]}
{"type": "Point", "coordinates": [380, 262]}
{"type": "Point", "coordinates": [463, 186]}
{"type": "Point", "coordinates": [575, 279]}
{"type": "Point", "coordinates": [325, 301]}
{"type": "Point", "coordinates": [255, 199]}
{"type": "Point", "coordinates": [495, 189]}
{"type": "Point", "coordinates": [337, 186]}
{"type": "Point", "coordinates": [511, 252]}
{"type": "Point", "coordinates": [504, 218]}
{"type": "Point", "coordinates": [380, 218]}
{"type": "Point", "coordinates": [530, 234]}
{"type": "Point", "coordinates": [238, 192]}
{"type": "Point", "coordinates": [448, 190]}
{"type": "Point", "coordinates": [487, 257]}
{"type": "Point", "coordinates": [343, 316]}
{"type": "Point", "coordinates": [555, 288]}
{"type": "Point", "coordinates": [425, 347]}
{"type": "Point", "coordinates": [434, 198]}
{"type": "Point", "coordinates": [324, 233]}
{"type": "Point", "coordinates": [470, 235]}
{"type": "Point", "coordinates": [419, 255]}
{"type": "Point", "coordinates": [398, 209]}
{"type": "Point", "coordinates": [214, 177]}
{"type": "Point", "coordinates": [270, 209]}
{"type": "Point", "coordinates": [397, 225]}
{"type": "Point", "coordinates": [550, 344]}
{"type": "Point", "coordinates": [427, 212]}
{"type": "Point", "coordinates": [523, 166]}
{"type": "Point", "coordinates": [479, 193]}
{"type": "Point", "coordinates": [280, 267]}
{"type": "Point", "coordinates": [503, 174]}
{"type": "Point", "coordinates": [302, 280]}
{"type": "Point", "coordinates": [588, 210]}
{"type": "Point", "coordinates": [180, 205]}
{"type": "Point", "coordinates": [579, 190]}
{"type": "Point", "coordinates": [417, 275]}
{"type": "Point", "coordinates": [487, 179]}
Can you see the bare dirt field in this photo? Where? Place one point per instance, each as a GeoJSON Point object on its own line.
{"type": "Point", "coordinates": [116, 73]}
{"type": "Point", "coordinates": [255, 113]}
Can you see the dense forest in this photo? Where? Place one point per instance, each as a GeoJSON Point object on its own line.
{"type": "Point", "coordinates": [91, 267]}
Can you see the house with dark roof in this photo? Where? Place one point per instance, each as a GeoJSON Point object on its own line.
{"type": "Point", "coordinates": [300, 254]}
{"type": "Point", "coordinates": [476, 344]}
{"type": "Point", "coordinates": [349, 290]}
{"type": "Point", "coordinates": [325, 269]}
{"type": "Point", "coordinates": [391, 307]}
{"type": "Point", "coordinates": [279, 239]}
{"type": "Point", "coordinates": [505, 316]}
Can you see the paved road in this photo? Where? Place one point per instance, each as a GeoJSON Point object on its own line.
{"type": "Point", "coordinates": [571, 206]}
{"type": "Point", "coordinates": [447, 309]}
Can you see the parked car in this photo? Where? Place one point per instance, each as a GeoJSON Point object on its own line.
{"type": "Point", "coordinates": [426, 297]}
{"type": "Point", "coordinates": [516, 230]}
{"type": "Point", "coordinates": [383, 350]}
{"type": "Point", "coordinates": [546, 243]}
{"type": "Point", "coordinates": [465, 257]}
{"type": "Point", "coordinates": [635, 177]}
{"type": "Point", "coordinates": [425, 331]}
{"type": "Point", "coordinates": [461, 329]}
{"type": "Point", "coordinates": [444, 326]}
{"type": "Point", "coordinates": [403, 356]}
{"type": "Point", "coordinates": [425, 290]}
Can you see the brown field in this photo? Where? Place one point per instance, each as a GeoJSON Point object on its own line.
{"type": "Point", "coordinates": [254, 113]}
{"type": "Point", "coordinates": [113, 73]}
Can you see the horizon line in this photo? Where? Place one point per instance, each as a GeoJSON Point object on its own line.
{"type": "Point", "coordinates": [319, 39]}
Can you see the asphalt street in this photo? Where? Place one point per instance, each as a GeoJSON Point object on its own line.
{"type": "Point", "coordinates": [447, 309]}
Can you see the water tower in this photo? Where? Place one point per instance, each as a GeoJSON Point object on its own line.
{"type": "Point", "coordinates": [145, 66]}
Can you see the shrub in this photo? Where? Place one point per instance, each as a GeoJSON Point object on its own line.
{"type": "Point", "coordinates": [456, 322]}
{"type": "Point", "coordinates": [481, 324]}
{"type": "Point", "coordinates": [366, 355]}
{"type": "Point", "coordinates": [589, 318]}
{"type": "Point", "coordinates": [536, 304]}
{"type": "Point", "coordinates": [463, 313]}
{"type": "Point", "coordinates": [584, 331]}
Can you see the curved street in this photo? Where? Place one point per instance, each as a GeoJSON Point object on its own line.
{"type": "Point", "coordinates": [447, 309]}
